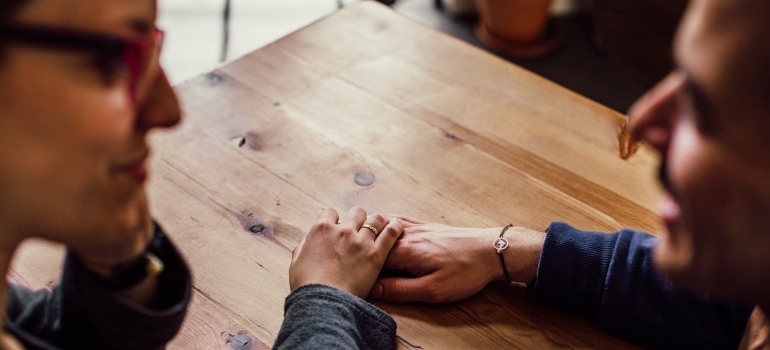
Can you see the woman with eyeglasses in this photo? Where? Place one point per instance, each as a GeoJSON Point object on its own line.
{"type": "Point", "coordinates": [80, 89]}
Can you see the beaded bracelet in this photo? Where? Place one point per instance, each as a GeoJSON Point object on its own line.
{"type": "Point", "coordinates": [500, 244]}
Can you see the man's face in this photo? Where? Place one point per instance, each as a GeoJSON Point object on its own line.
{"type": "Point", "coordinates": [73, 135]}
{"type": "Point", "coordinates": [710, 119]}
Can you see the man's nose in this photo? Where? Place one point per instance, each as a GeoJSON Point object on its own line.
{"type": "Point", "coordinates": [652, 116]}
{"type": "Point", "coordinates": [159, 108]}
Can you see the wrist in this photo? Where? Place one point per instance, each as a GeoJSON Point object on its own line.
{"type": "Point", "coordinates": [500, 245]}
{"type": "Point", "coordinates": [523, 254]}
{"type": "Point", "coordinates": [489, 255]}
{"type": "Point", "coordinates": [519, 253]}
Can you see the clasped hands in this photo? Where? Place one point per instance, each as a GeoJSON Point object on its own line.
{"type": "Point", "coordinates": [435, 263]}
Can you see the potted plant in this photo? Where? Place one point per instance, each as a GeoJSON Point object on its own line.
{"type": "Point", "coordinates": [518, 28]}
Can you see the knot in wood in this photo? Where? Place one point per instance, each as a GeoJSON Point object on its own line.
{"type": "Point", "coordinates": [257, 229]}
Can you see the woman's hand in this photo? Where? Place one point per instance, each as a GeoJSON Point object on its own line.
{"type": "Point", "coordinates": [448, 263]}
{"type": "Point", "coordinates": [347, 254]}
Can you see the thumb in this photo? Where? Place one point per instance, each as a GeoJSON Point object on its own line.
{"type": "Point", "coordinates": [399, 290]}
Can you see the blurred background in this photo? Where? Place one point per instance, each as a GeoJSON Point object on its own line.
{"type": "Point", "coordinates": [609, 51]}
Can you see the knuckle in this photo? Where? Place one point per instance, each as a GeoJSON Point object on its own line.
{"type": "Point", "coordinates": [395, 289]}
{"type": "Point", "coordinates": [433, 294]}
{"type": "Point", "coordinates": [347, 231]}
{"type": "Point", "coordinates": [322, 226]}
{"type": "Point", "coordinates": [378, 218]}
{"type": "Point", "coordinates": [392, 231]}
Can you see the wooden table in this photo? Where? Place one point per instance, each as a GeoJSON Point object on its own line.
{"type": "Point", "coordinates": [368, 108]}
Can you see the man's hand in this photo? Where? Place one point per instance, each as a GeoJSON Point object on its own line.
{"type": "Point", "coordinates": [347, 254]}
{"type": "Point", "coordinates": [450, 263]}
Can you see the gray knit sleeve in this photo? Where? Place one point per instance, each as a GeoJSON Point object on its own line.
{"type": "Point", "coordinates": [317, 316]}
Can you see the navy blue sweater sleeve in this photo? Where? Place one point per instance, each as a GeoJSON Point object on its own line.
{"type": "Point", "coordinates": [322, 317]}
{"type": "Point", "coordinates": [611, 279]}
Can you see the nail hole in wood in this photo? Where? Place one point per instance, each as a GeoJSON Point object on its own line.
{"type": "Point", "coordinates": [364, 179]}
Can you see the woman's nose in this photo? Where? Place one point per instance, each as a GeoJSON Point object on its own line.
{"type": "Point", "coordinates": [159, 108]}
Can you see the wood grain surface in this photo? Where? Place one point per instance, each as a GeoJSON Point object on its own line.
{"type": "Point", "coordinates": [368, 108]}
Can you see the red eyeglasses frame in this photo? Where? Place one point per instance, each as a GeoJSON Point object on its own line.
{"type": "Point", "coordinates": [135, 54]}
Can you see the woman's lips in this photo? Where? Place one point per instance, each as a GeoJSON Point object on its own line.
{"type": "Point", "coordinates": [136, 170]}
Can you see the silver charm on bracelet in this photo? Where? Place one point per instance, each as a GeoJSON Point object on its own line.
{"type": "Point", "coordinates": [500, 244]}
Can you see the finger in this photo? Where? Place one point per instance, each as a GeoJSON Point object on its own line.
{"type": "Point", "coordinates": [406, 220]}
{"type": "Point", "coordinates": [354, 218]}
{"type": "Point", "coordinates": [404, 258]}
{"type": "Point", "coordinates": [297, 249]}
{"type": "Point", "coordinates": [374, 224]}
{"type": "Point", "coordinates": [389, 235]}
{"type": "Point", "coordinates": [328, 215]}
{"type": "Point", "coordinates": [400, 290]}
{"type": "Point", "coordinates": [403, 222]}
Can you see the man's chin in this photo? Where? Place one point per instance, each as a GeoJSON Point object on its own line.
{"type": "Point", "coordinates": [676, 264]}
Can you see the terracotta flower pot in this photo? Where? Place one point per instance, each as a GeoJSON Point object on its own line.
{"type": "Point", "coordinates": [516, 27]}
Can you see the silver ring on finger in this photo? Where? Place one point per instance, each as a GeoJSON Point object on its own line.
{"type": "Point", "coordinates": [371, 228]}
